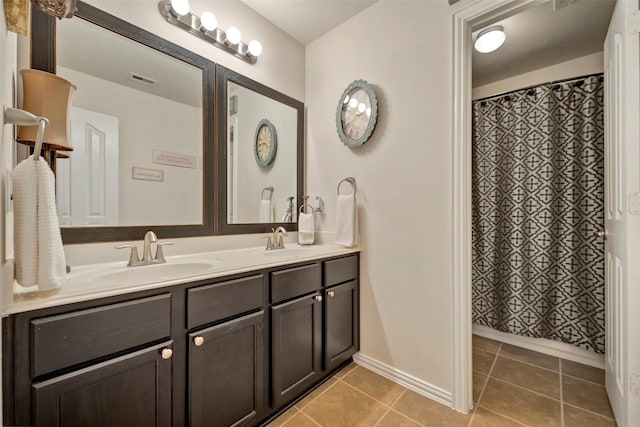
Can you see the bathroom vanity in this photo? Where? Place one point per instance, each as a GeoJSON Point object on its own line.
{"type": "Point", "coordinates": [233, 349]}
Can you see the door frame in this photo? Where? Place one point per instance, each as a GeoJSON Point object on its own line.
{"type": "Point", "coordinates": [477, 14]}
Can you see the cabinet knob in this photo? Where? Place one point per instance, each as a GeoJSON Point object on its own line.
{"type": "Point", "coordinates": [198, 341]}
{"type": "Point", "coordinates": [166, 353]}
{"type": "Point", "coordinates": [318, 298]}
{"type": "Point", "coordinates": [331, 294]}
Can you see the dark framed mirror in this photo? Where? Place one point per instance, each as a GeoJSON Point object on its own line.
{"type": "Point", "coordinates": [260, 156]}
{"type": "Point", "coordinates": [157, 100]}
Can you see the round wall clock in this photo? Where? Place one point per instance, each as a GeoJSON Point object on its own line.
{"type": "Point", "coordinates": [266, 143]}
{"type": "Point", "coordinates": [357, 114]}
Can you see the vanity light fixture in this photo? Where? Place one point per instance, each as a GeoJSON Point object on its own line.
{"type": "Point", "coordinates": [205, 27]}
{"type": "Point", "coordinates": [490, 39]}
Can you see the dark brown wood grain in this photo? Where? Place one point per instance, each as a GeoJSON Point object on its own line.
{"type": "Point", "coordinates": [340, 270]}
{"type": "Point", "coordinates": [293, 282]}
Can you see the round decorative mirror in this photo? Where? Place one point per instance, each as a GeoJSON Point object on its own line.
{"type": "Point", "coordinates": [357, 114]}
{"type": "Point", "coordinates": [266, 143]}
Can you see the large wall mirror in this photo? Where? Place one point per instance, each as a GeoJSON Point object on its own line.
{"type": "Point", "coordinates": [142, 127]}
{"type": "Point", "coordinates": [260, 156]}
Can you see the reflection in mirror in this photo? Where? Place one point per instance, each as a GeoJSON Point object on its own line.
{"type": "Point", "coordinates": [141, 126]}
{"type": "Point", "coordinates": [260, 167]}
{"type": "Point", "coordinates": [136, 129]}
{"type": "Point", "coordinates": [261, 162]}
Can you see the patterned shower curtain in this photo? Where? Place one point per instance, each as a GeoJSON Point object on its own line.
{"type": "Point", "coordinates": [538, 201]}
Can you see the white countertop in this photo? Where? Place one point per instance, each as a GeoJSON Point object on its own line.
{"type": "Point", "coordinates": [110, 279]}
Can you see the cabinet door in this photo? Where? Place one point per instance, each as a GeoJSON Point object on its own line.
{"type": "Point", "coordinates": [341, 320]}
{"type": "Point", "coordinates": [132, 390]}
{"type": "Point", "coordinates": [296, 344]}
{"type": "Point", "coordinates": [226, 373]}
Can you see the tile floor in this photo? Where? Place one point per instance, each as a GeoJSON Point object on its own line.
{"type": "Point", "coordinates": [511, 387]}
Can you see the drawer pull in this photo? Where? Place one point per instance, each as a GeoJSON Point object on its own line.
{"type": "Point", "coordinates": [318, 298]}
{"type": "Point", "coordinates": [198, 341]}
{"type": "Point", "coordinates": [331, 294]}
{"type": "Point", "coordinates": [166, 353]}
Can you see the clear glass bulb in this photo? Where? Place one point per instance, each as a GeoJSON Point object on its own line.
{"type": "Point", "coordinates": [181, 7]}
{"type": "Point", "coordinates": [255, 48]}
{"type": "Point", "coordinates": [346, 99]}
{"type": "Point", "coordinates": [233, 35]}
{"type": "Point", "coordinates": [369, 111]}
{"type": "Point", "coordinates": [208, 21]}
{"type": "Point", "coordinates": [362, 107]}
{"type": "Point", "coordinates": [353, 103]}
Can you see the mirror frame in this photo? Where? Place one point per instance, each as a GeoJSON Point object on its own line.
{"type": "Point", "coordinates": [43, 57]}
{"type": "Point", "coordinates": [223, 76]}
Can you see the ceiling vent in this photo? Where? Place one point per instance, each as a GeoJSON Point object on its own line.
{"type": "Point", "coordinates": [142, 79]}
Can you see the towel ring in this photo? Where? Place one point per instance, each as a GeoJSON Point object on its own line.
{"type": "Point", "coordinates": [270, 190]}
{"type": "Point", "coordinates": [301, 210]}
{"type": "Point", "coordinates": [351, 180]}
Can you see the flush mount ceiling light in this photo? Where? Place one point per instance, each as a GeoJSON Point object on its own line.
{"type": "Point", "coordinates": [490, 39]}
{"type": "Point", "coordinates": [205, 27]}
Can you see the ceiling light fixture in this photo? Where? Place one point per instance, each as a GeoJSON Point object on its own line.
{"type": "Point", "coordinates": [176, 12]}
{"type": "Point", "coordinates": [490, 39]}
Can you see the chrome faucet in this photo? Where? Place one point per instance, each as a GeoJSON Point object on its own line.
{"type": "Point", "coordinates": [275, 240]}
{"type": "Point", "coordinates": [149, 238]}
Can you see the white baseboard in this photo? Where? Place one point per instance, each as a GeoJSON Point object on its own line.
{"type": "Point", "coordinates": [409, 381]}
{"type": "Point", "coordinates": [542, 345]}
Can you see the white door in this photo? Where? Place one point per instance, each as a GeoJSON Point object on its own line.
{"type": "Point", "coordinates": [622, 157]}
{"type": "Point", "coordinates": [87, 183]}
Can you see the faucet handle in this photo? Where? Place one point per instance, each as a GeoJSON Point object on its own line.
{"type": "Point", "coordinates": [269, 238]}
{"type": "Point", "coordinates": [159, 253]}
{"type": "Point", "coordinates": [133, 256]}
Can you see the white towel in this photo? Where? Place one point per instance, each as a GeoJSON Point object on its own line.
{"type": "Point", "coordinates": [39, 254]}
{"type": "Point", "coordinates": [306, 228]}
{"type": "Point", "coordinates": [266, 211]}
{"type": "Point", "coordinates": [347, 220]}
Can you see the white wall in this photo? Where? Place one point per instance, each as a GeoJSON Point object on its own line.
{"type": "Point", "coordinates": [403, 173]}
{"type": "Point", "coordinates": [148, 122]}
{"type": "Point", "coordinates": [252, 178]}
{"type": "Point", "coordinates": [281, 65]}
{"type": "Point", "coordinates": [590, 64]}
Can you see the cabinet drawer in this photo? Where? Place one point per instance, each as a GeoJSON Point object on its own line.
{"type": "Point", "coordinates": [294, 282]}
{"type": "Point", "coordinates": [68, 339]}
{"type": "Point", "coordinates": [210, 303]}
{"type": "Point", "coordinates": [340, 270]}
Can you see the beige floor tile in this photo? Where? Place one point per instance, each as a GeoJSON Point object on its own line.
{"type": "Point", "coordinates": [485, 418]}
{"type": "Point", "coordinates": [574, 417]}
{"type": "Point", "coordinates": [345, 406]}
{"type": "Point", "coordinates": [478, 382]}
{"type": "Point", "coordinates": [584, 372]}
{"type": "Point", "coordinates": [521, 405]}
{"type": "Point", "coordinates": [344, 371]}
{"type": "Point", "coordinates": [482, 360]}
{"type": "Point", "coordinates": [300, 420]}
{"type": "Point", "coordinates": [527, 376]}
{"type": "Point", "coordinates": [486, 344]}
{"type": "Point", "coordinates": [395, 419]}
{"type": "Point", "coordinates": [528, 356]}
{"type": "Point", "coordinates": [587, 395]}
{"type": "Point", "coordinates": [429, 412]}
{"type": "Point", "coordinates": [315, 393]}
{"type": "Point", "coordinates": [286, 416]}
{"type": "Point", "coordinates": [374, 385]}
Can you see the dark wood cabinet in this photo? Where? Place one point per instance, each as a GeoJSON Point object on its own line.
{"type": "Point", "coordinates": [129, 391]}
{"type": "Point", "coordinates": [341, 324]}
{"type": "Point", "coordinates": [237, 350]}
{"type": "Point", "coordinates": [226, 373]}
{"type": "Point", "coordinates": [296, 337]}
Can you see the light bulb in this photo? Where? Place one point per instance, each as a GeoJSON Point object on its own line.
{"type": "Point", "coordinates": [233, 35]}
{"type": "Point", "coordinates": [346, 99]}
{"type": "Point", "coordinates": [490, 39]}
{"type": "Point", "coordinates": [353, 103]}
{"type": "Point", "coordinates": [181, 7]}
{"type": "Point", "coordinates": [255, 48]}
{"type": "Point", "coordinates": [208, 21]}
{"type": "Point", "coordinates": [362, 107]}
{"type": "Point", "coordinates": [369, 111]}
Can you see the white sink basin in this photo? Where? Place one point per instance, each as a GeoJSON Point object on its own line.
{"type": "Point", "coordinates": [172, 269]}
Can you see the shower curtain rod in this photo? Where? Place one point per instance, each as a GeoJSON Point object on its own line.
{"type": "Point", "coordinates": [569, 80]}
